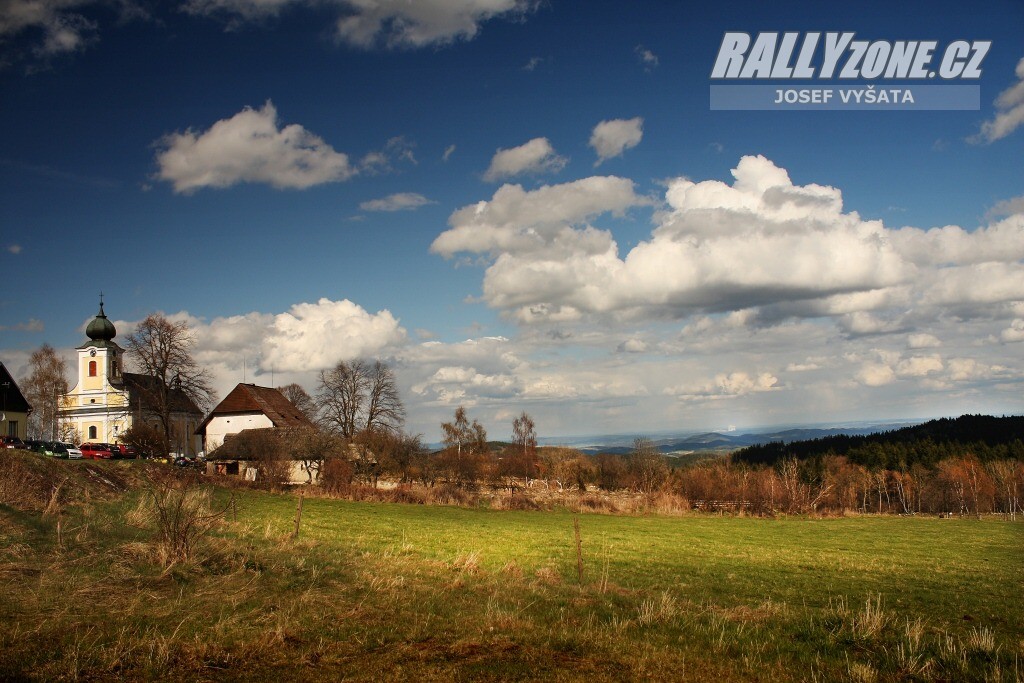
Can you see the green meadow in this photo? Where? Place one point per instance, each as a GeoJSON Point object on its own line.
{"type": "Point", "coordinates": [383, 591]}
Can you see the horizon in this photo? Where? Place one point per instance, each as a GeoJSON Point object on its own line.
{"type": "Point", "coordinates": [515, 218]}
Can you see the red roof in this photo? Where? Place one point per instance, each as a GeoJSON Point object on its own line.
{"type": "Point", "coordinates": [249, 398]}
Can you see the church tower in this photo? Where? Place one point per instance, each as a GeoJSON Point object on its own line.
{"type": "Point", "coordinates": [97, 408]}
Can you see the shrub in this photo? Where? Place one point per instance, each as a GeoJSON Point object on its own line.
{"type": "Point", "coordinates": [178, 506]}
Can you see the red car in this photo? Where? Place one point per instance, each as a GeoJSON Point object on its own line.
{"type": "Point", "coordinates": [12, 442]}
{"type": "Point", "coordinates": [121, 451]}
{"type": "Point", "coordinates": [96, 451]}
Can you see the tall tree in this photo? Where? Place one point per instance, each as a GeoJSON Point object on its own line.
{"type": "Point", "coordinates": [162, 351]}
{"type": "Point", "coordinates": [301, 400]}
{"type": "Point", "coordinates": [465, 447]}
{"type": "Point", "coordinates": [384, 409]}
{"type": "Point", "coordinates": [356, 397]}
{"type": "Point", "coordinates": [647, 466]}
{"type": "Point", "coordinates": [46, 383]}
{"type": "Point", "coordinates": [524, 443]}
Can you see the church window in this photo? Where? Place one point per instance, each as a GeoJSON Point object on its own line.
{"type": "Point", "coordinates": [92, 368]}
{"type": "Point", "coordinates": [92, 432]}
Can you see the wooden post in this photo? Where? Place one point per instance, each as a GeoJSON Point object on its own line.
{"type": "Point", "coordinates": [298, 517]}
{"type": "Point", "coordinates": [579, 549]}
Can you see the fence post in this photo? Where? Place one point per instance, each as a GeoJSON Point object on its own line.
{"type": "Point", "coordinates": [579, 549]}
{"type": "Point", "coordinates": [298, 517]}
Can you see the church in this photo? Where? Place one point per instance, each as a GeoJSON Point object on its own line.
{"type": "Point", "coordinates": [107, 401]}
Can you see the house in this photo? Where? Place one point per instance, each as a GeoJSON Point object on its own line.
{"type": "Point", "coordinates": [14, 409]}
{"type": "Point", "coordinates": [106, 401]}
{"type": "Point", "coordinates": [249, 407]}
{"type": "Point", "coordinates": [246, 415]}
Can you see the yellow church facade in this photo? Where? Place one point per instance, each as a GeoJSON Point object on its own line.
{"type": "Point", "coordinates": [106, 401]}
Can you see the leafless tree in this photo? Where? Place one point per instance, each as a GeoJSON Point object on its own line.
{"type": "Point", "coordinates": [301, 399]}
{"type": "Point", "coordinates": [465, 447]}
{"type": "Point", "coordinates": [356, 397]}
{"type": "Point", "coordinates": [647, 466]}
{"type": "Point", "coordinates": [162, 351]}
{"type": "Point", "coordinates": [312, 447]}
{"type": "Point", "coordinates": [46, 383]}
{"type": "Point", "coordinates": [384, 409]}
{"type": "Point", "coordinates": [524, 442]}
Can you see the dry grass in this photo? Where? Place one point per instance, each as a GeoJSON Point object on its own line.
{"type": "Point", "coordinates": [370, 598]}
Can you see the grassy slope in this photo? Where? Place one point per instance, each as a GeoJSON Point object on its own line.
{"type": "Point", "coordinates": [391, 592]}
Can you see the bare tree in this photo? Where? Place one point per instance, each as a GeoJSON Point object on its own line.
{"type": "Point", "coordinates": [524, 442]}
{"type": "Point", "coordinates": [384, 409]}
{"type": "Point", "coordinates": [301, 399]}
{"type": "Point", "coordinates": [355, 397]}
{"type": "Point", "coordinates": [162, 351]}
{"type": "Point", "coordinates": [647, 466]}
{"type": "Point", "coordinates": [47, 382]}
{"type": "Point", "coordinates": [465, 446]}
{"type": "Point", "coordinates": [312, 447]}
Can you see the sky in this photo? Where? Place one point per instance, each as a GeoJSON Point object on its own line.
{"type": "Point", "coordinates": [519, 205]}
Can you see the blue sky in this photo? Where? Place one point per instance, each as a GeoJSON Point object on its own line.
{"type": "Point", "coordinates": [428, 183]}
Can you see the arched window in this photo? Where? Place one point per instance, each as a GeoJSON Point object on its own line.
{"type": "Point", "coordinates": [92, 430]}
{"type": "Point", "coordinates": [92, 368]}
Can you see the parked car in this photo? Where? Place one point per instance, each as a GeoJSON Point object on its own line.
{"type": "Point", "coordinates": [121, 451]}
{"type": "Point", "coordinates": [47, 447]}
{"type": "Point", "coordinates": [66, 450]}
{"type": "Point", "coordinates": [11, 442]}
{"type": "Point", "coordinates": [35, 446]}
{"type": "Point", "coordinates": [96, 451]}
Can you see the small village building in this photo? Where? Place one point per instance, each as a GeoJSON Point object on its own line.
{"type": "Point", "coordinates": [14, 408]}
{"type": "Point", "coordinates": [249, 407]}
{"type": "Point", "coordinates": [253, 410]}
{"type": "Point", "coordinates": [106, 401]}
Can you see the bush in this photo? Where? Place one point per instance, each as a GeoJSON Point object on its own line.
{"type": "Point", "coordinates": [178, 506]}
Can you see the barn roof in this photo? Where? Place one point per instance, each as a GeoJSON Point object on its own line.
{"type": "Point", "coordinates": [249, 398]}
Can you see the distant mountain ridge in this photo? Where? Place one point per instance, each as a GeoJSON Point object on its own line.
{"type": "Point", "coordinates": [684, 443]}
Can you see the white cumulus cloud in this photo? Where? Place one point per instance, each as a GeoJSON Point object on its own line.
{"type": "Point", "coordinates": [760, 242]}
{"type": "Point", "coordinates": [536, 156]}
{"type": "Point", "coordinates": [311, 336]}
{"type": "Point", "coordinates": [612, 138]}
{"type": "Point", "coordinates": [762, 246]}
{"type": "Point", "coordinates": [520, 221]}
{"type": "Point", "coordinates": [249, 147]}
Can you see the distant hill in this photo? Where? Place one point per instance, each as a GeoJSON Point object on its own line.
{"type": "Point", "coordinates": [717, 441]}
{"type": "Point", "coordinates": [985, 436]}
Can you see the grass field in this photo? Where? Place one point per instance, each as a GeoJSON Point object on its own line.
{"type": "Point", "coordinates": [403, 592]}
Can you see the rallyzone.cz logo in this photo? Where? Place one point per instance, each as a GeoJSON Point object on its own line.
{"type": "Point", "coordinates": [839, 56]}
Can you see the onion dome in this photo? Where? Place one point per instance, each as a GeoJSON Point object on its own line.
{"type": "Point", "coordinates": [100, 329]}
